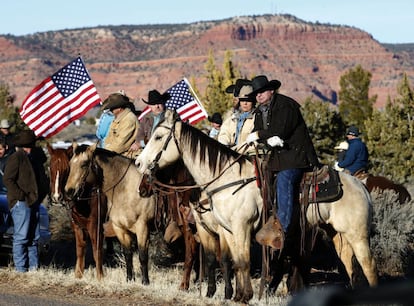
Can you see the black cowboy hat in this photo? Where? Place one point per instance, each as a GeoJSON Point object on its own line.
{"type": "Point", "coordinates": [25, 139]}
{"type": "Point", "coordinates": [261, 84]}
{"type": "Point", "coordinates": [116, 100]}
{"type": "Point", "coordinates": [215, 118]}
{"type": "Point", "coordinates": [235, 88]}
{"type": "Point", "coordinates": [154, 97]}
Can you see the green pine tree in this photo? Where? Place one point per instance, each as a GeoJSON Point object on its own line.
{"type": "Point", "coordinates": [355, 105]}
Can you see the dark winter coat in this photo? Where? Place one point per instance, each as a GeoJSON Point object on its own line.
{"type": "Point", "coordinates": [285, 120]}
{"type": "Point", "coordinates": [356, 157]}
{"type": "Point", "coordinates": [25, 177]}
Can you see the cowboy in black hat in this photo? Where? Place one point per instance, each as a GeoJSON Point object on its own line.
{"type": "Point", "coordinates": [156, 102]}
{"type": "Point", "coordinates": [279, 125]}
{"type": "Point", "coordinates": [216, 122]}
{"type": "Point", "coordinates": [27, 185]}
{"type": "Point", "coordinates": [356, 157]}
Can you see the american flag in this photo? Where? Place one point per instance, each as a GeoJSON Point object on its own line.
{"type": "Point", "coordinates": [189, 109]}
{"type": "Point", "coordinates": [59, 100]}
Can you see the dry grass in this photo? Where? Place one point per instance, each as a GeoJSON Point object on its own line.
{"type": "Point", "coordinates": [391, 243]}
{"type": "Point", "coordinates": [114, 289]}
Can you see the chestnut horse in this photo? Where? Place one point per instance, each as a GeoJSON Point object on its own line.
{"type": "Point", "coordinates": [381, 183]}
{"type": "Point", "coordinates": [178, 201]}
{"type": "Point", "coordinates": [84, 210]}
{"type": "Point", "coordinates": [236, 204]}
{"type": "Point", "coordinates": [128, 212]}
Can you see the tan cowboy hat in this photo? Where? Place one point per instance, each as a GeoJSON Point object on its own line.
{"type": "Point", "coordinates": [235, 88]}
{"type": "Point", "coordinates": [245, 92]}
{"type": "Point", "coordinates": [154, 97]}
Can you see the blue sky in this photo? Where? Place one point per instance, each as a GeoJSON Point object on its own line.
{"type": "Point", "coordinates": [386, 21]}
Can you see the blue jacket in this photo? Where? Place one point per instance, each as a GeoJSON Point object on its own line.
{"type": "Point", "coordinates": [356, 156]}
{"type": "Point", "coordinates": [103, 127]}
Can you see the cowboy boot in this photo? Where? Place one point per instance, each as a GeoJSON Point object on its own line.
{"type": "Point", "coordinates": [271, 234]}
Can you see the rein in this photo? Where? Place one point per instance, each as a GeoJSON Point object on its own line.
{"type": "Point", "coordinates": [154, 166]}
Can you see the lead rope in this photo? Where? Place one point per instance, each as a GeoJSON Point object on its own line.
{"type": "Point", "coordinates": [98, 236]}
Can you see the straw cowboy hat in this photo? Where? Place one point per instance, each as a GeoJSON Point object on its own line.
{"type": "Point", "coordinates": [25, 139]}
{"type": "Point", "coordinates": [261, 84]}
{"type": "Point", "coordinates": [154, 97]}
{"type": "Point", "coordinates": [116, 100]}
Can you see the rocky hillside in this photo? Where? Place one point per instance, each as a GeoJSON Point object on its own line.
{"type": "Point", "coordinates": [308, 58]}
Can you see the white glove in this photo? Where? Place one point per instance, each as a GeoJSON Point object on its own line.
{"type": "Point", "coordinates": [252, 137]}
{"type": "Point", "coordinates": [275, 141]}
{"type": "Point", "coordinates": [337, 168]}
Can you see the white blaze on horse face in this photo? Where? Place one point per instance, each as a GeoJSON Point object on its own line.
{"type": "Point", "coordinates": [56, 193]}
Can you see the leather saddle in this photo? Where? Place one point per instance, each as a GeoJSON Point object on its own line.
{"type": "Point", "coordinates": [322, 185]}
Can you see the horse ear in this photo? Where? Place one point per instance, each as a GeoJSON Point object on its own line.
{"type": "Point", "coordinates": [74, 145]}
{"type": "Point", "coordinates": [70, 150]}
{"type": "Point", "coordinates": [170, 115]}
{"type": "Point", "coordinates": [93, 147]}
{"type": "Point", "coordinates": [49, 147]}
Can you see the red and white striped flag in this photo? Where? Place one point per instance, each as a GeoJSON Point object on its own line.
{"type": "Point", "coordinates": [145, 111]}
{"type": "Point", "coordinates": [181, 100]}
{"type": "Point", "coordinates": [59, 100]}
{"type": "Point", "coordinates": [186, 105]}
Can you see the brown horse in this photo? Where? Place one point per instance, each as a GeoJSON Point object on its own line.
{"type": "Point", "coordinates": [129, 214]}
{"type": "Point", "coordinates": [380, 184]}
{"type": "Point", "coordinates": [84, 210]}
{"type": "Point", "coordinates": [177, 183]}
{"type": "Point", "coordinates": [176, 210]}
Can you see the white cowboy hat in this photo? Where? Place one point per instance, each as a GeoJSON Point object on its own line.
{"type": "Point", "coordinates": [344, 145]}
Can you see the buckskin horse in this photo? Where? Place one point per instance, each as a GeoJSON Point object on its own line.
{"type": "Point", "coordinates": [229, 181]}
{"type": "Point", "coordinates": [87, 212]}
{"type": "Point", "coordinates": [128, 212]}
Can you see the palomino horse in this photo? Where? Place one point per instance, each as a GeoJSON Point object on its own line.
{"type": "Point", "coordinates": [84, 210]}
{"type": "Point", "coordinates": [236, 203]}
{"type": "Point", "coordinates": [380, 184]}
{"type": "Point", "coordinates": [128, 212]}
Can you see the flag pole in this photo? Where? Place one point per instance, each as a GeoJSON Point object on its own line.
{"type": "Point", "coordinates": [195, 96]}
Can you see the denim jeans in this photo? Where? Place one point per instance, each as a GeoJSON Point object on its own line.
{"type": "Point", "coordinates": [26, 234]}
{"type": "Point", "coordinates": [287, 193]}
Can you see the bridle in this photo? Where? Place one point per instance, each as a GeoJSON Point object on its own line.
{"type": "Point", "coordinates": [154, 166]}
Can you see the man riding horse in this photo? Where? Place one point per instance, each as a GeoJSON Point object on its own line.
{"type": "Point", "coordinates": [279, 124]}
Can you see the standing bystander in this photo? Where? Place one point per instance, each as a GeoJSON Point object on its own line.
{"type": "Point", "coordinates": [27, 185]}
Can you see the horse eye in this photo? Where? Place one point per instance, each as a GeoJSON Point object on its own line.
{"type": "Point", "coordinates": [158, 137]}
{"type": "Point", "coordinates": [84, 165]}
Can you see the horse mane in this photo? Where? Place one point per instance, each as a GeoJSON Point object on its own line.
{"type": "Point", "coordinates": [217, 153]}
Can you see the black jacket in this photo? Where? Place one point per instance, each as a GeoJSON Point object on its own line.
{"type": "Point", "coordinates": [286, 121]}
